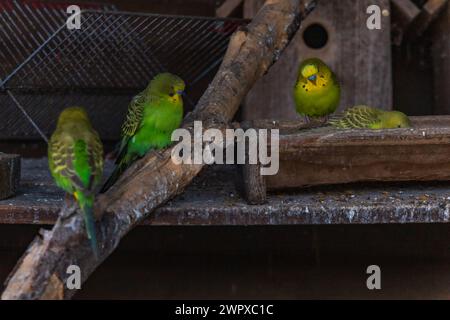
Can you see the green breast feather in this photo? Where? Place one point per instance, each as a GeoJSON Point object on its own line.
{"type": "Point", "coordinates": [151, 118]}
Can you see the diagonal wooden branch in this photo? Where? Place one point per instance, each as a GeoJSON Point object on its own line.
{"type": "Point", "coordinates": [42, 271]}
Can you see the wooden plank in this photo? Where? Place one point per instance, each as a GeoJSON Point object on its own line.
{"type": "Point", "coordinates": [360, 57]}
{"type": "Point", "coordinates": [9, 174]}
{"type": "Point", "coordinates": [329, 156]}
{"type": "Point", "coordinates": [441, 62]}
{"type": "Point", "coordinates": [213, 200]}
{"type": "Point", "coordinates": [227, 8]}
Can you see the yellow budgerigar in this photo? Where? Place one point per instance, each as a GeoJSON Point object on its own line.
{"type": "Point", "coordinates": [75, 158]}
{"type": "Point", "coordinates": [316, 91]}
{"type": "Point", "coordinates": [364, 117]}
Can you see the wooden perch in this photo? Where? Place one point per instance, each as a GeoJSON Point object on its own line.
{"type": "Point", "coordinates": [42, 272]}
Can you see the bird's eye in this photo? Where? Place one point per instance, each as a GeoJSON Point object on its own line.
{"type": "Point", "coordinates": [171, 94]}
{"type": "Point", "coordinates": [399, 126]}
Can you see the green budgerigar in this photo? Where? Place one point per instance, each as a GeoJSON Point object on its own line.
{"type": "Point", "coordinates": [364, 117]}
{"type": "Point", "coordinates": [152, 117]}
{"type": "Point", "coordinates": [75, 157]}
{"type": "Point", "coordinates": [316, 91]}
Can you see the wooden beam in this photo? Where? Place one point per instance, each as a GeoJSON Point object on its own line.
{"type": "Point", "coordinates": [9, 174]}
{"type": "Point", "coordinates": [227, 8]}
{"type": "Point", "coordinates": [404, 12]}
{"type": "Point", "coordinates": [154, 179]}
{"type": "Point", "coordinates": [430, 11]}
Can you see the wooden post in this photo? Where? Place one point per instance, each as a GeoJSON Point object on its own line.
{"type": "Point", "coordinates": [9, 174]}
{"type": "Point", "coordinates": [253, 183]}
{"type": "Point", "coordinates": [360, 57]}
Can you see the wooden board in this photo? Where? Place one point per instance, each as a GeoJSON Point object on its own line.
{"type": "Point", "coordinates": [9, 174]}
{"type": "Point", "coordinates": [329, 156]}
{"type": "Point", "coordinates": [360, 57]}
{"type": "Point", "coordinates": [213, 200]}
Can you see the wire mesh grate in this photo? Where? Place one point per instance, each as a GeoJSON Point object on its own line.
{"type": "Point", "coordinates": [27, 24]}
{"type": "Point", "coordinates": [104, 63]}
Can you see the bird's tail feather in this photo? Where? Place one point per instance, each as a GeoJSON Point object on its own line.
{"type": "Point", "coordinates": [118, 170]}
{"type": "Point", "coordinates": [86, 203]}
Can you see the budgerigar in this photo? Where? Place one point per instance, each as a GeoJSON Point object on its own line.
{"type": "Point", "coordinates": [152, 117]}
{"type": "Point", "coordinates": [316, 91]}
{"type": "Point", "coordinates": [370, 118]}
{"type": "Point", "coordinates": [75, 157]}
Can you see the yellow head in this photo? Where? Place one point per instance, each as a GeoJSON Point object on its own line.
{"type": "Point", "coordinates": [395, 119]}
{"type": "Point", "coordinates": [310, 72]}
{"type": "Point", "coordinates": [168, 85]}
{"type": "Point", "coordinates": [314, 75]}
{"type": "Point", "coordinates": [73, 114]}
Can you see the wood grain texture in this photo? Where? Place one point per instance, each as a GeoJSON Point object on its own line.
{"type": "Point", "coordinates": [213, 199]}
{"type": "Point", "coordinates": [360, 57]}
{"type": "Point", "coordinates": [330, 156]}
{"type": "Point", "coordinates": [9, 174]}
{"type": "Point", "coordinates": [154, 179]}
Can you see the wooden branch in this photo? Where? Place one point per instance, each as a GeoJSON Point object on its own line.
{"type": "Point", "coordinates": [42, 272]}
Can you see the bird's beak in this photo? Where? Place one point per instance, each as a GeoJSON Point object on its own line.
{"type": "Point", "coordinates": [313, 79]}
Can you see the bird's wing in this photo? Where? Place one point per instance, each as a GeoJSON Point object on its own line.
{"type": "Point", "coordinates": [63, 156]}
{"type": "Point", "coordinates": [76, 164]}
{"type": "Point", "coordinates": [356, 117]}
{"type": "Point", "coordinates": [132, 122]}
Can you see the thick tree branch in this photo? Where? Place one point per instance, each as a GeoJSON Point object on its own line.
{"type": "Point", "coordinates": [151, 181]}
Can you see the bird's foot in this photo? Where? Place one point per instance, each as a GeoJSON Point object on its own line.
{"type": "Point", "coordinates": [307, 120]}
{"type": "Point", "coordinates": [69, 207]}
{"type": "Point", "coordinates": [325, 119]}
{"type": "Point", "coordinates": [68, 200]}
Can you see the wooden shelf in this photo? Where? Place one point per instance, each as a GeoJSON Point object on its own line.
{"type": "Point", "coordinates": [325, 155]}
{"type": "Point", "coordinates": [214, 200]}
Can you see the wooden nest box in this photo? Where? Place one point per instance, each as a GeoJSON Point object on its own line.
{"type": "Point", "coordinates": [336, 32]}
